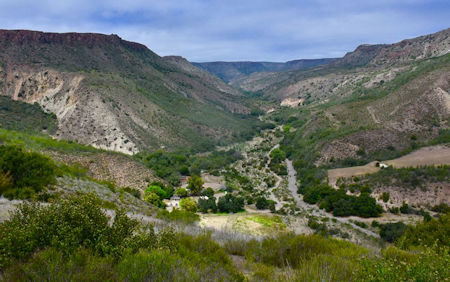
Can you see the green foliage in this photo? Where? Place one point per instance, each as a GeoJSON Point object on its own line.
{"type": "Point", "coordinates": [207, 205]}
{"type": "Point", "coordinates": [154, 199]}
{"type": "Point", "coordinates": [385, 197]}
{"type": "Point", "coordinates": [410, 177]}
{"type": "Point", "coordinates": [404, 208]}
{"type": "Point", "coordinates": [435, 231]}
{"type": "Point", "coordinates": [390, 232]}
{"type": "Point", "coordinates": [67, 225]}
{"type": "Point", "coordinates": [341, 204]}
{"type": "Point", "coordinates": [29, 172]}
{"type": "Point", "coordinates": [189, 205]}
{"type": "Point", "coordinates": [156, 190]}
{"type": "Point", "coordinates": [181, 216]}
{"type": "Point", "coordinates": [5, 182]}
{"type": "Point", "coordinates": [430, 264]}
{"type": "Point", "coordinates": [181, 192]}
{"type": "Point", "coordinates": [262, 203]}
{"type": "Point", "coordinates": [230, 203]}
{"type": "Point", "coordinates": [294, 250]}
{"type": "Point", "coordinates": [171, 165]}
{"type": "Point", "coordinates": [17, 115]}
{"type": "Point", "coordinates": [195, 185]}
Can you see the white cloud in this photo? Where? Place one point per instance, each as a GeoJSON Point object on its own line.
{"type": "Point", "coordinates": [234, 29]}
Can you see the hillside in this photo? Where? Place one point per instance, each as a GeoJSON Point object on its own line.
{"type": "Point", "coordinates": [119, 95]}
{"type": "Point", "coordinates": [233, 71]}
{"type": "Point", "coordinates": [372, 63]}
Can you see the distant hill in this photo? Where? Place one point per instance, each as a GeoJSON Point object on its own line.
{"type": "Point", "coordinates": [119, 95]}
{"type": "Point", "coordinates": [230, 71]}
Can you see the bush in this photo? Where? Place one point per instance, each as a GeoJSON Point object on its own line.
{"type": "Point", "coordinates": [28, 170]}
{"type": "Point", "coordinates": [397, 265]}
{"type": "Point", "coordinates": [404, 208]}
{"type": "Point", "coordinates": [189, 205]}
{"type": "Point", "coordinates": [435, 231]}
{"type": "Point", "coordinates": [207, 205]}
{"type": "Point", "coordinates": [262, 203]}
{"type": "Point", "coordinates": [154, 199]}
{"type": "Point", "coordinates": [78, 221]}
{"type": "Point", "coordinates": [385, 197]}
{"type": "Point", "coordinates": [390, 232]}
{"type": "Point", "coordinates": [230, 203]}
{"type": "Point", "coordinates": [156, 190]}
{"type": "Point", "coordinates": [195, 185]}
{"type": "Point", "coordinates": [177, 215]}
{"type": "Point", "coordinates": [5, 182]}
{"type": "Point", "coordinates": [181, 192]}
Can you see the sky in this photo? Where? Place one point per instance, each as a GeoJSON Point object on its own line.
{"type": "Point", "coordinates": [236, 30]}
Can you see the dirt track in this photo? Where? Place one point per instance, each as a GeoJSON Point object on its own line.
{"type": "Point", "coordinates": [434, 155]}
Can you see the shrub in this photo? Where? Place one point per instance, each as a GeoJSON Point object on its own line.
{"type": "Point", "coordinates": [385, 197]}
{"type": "Point", "coordinates": [177, 215]}
{"type": "Point", "coordinates": [208, 192]}
{"type": "Point", "coordinates": [153, 199]}
{"type": "Point", "coordinates": [181, 192]}
{"type": "Point", "coordinates": [26, 169]}
{"type": "Point", "coordinates": [435, 231]}
{"type": "Point", "coordinates": [207, 205]}
{"type": "Point", "coordinates": [396, 265]}
{"type": "Point", "coordinates": [262, 203]}
{"type": "Point", "coordinates": [65, 226]}
{"type": "Point", "coordinates": [156, 190]}
{"type": "Point", "coordinates": [5, 182]}
{"type": "Point", "coordinates": [189, 205]}
{"type": "Point", "coordinates": [390, 232]}
{"type": "Point", "coordinates": [404, 208]}
{"type": "Point", "coordinates": [195, 185]}
{"type": "Point", "coordinates": [230, 203]}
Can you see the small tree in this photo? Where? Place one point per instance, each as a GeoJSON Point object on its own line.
{"type": "Point", "coordinates": [157, 190]}
{"type": "Point", "coordinates": [188, 204]}
{"type": "Point", "coordinates": [153, 199]}
{"type": "Point", "coordinates": [262, 203]}
{"type": "Point", "coordinates": [5, 182]}
{"type": "Point", "coordinates": [385, 197]}
{"type": "Point", "coordinates": [195, 185]}
{"type": "Point", "coordinates": [208, 192]}
{"type": "Point", "coordinates": [208, 205]}
{"type": "Point", "coordinates": [181, 192]}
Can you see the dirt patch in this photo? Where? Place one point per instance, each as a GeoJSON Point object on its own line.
{"type": "Point", "coordinates": [434, 155]}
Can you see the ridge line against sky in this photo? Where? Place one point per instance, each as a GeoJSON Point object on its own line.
{"type": "Point", "coordinates": [232, 30]}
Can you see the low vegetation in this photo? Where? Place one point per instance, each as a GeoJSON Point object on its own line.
{"type": "Point", "coordinates": [24, 174]}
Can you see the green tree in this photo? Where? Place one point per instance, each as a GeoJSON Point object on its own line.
{"type": "Point", "coordinates": [207, 205]}
{"type": "Point", "coordinates": [195, 185]}
{"type": "Point", "coordinates": [157, 190]}
{"type": "Point", "coordinates": [5, 182]}
{"type": "Point", "coordinates": [27, 169]}
{"type": "Point", "coordinates": [262, 203]}
{"type": "Point", "coordinates": [181, 192]}
{"type": "Point", "coordinates": [189, 205]}
{"type": "Point", "coordinates": [153, 199]}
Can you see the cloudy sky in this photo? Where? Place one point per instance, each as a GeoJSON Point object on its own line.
{"type": "Point", "coordinates": [231, 30]}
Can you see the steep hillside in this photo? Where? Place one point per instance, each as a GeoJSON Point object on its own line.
{"type": "Point", "coordinates": [368, 64]}
{"type": "Point", "coordinates": [232, 71]}
{"type": "Point", "coordinates": [119, 95]}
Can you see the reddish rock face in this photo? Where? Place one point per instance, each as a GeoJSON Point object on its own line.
{"type": "Point", "coordinates": [21, 37]}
